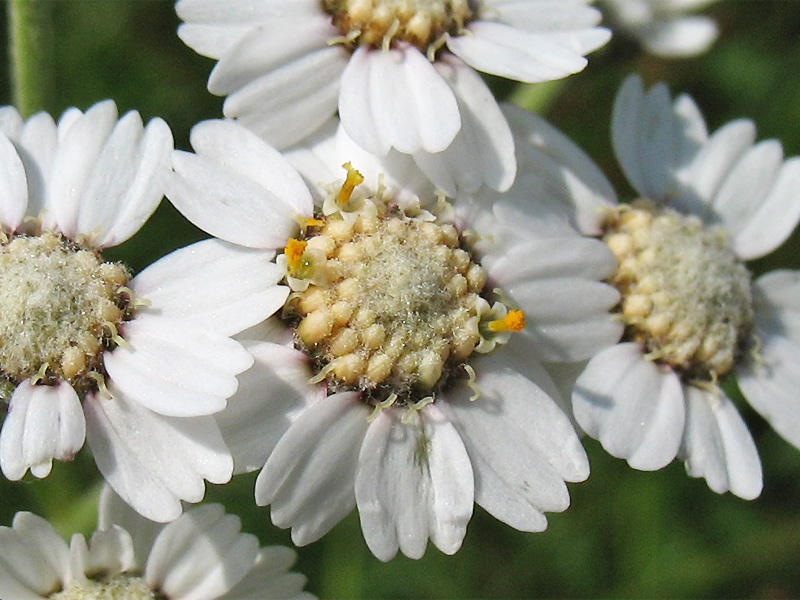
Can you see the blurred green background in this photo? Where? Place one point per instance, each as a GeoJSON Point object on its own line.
{"type": "Point", "coordinates": [627, 533]}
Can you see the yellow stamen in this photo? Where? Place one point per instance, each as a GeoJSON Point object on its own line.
{"type": "Point", "coordinates": [513, 321]}
{"type": "Point", "coordinates": [294, 254]}
{"type": "Point", "coordinates": [312, 222]}
{"type": "Point", "coordinates": [41, 374]}
{"type": "Point", "coordinates": [353, 179]}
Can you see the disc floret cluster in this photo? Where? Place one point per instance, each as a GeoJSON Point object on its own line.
{"type": "Point", "coordinates": [385, 298]}
{"type": "Point", "coordinates": [685, 296]}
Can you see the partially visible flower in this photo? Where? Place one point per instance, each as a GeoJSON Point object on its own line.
{"type": "Point", "coordinates": [693, 317]}
{"type": "Point", "coordinates": [133, 364]}
{"type": "Point", "coordinates": [401, 72]}
{"type": "Point", "coordinates": [663, 27]}
{"type": "Point", "coordinates": [402, 374]}
{"type": "Point", "coordinates": [200, 555]}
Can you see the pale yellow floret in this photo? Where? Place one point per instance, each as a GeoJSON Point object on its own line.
{"type": "Point", "coordinates": [685, 295]}
{"type": "Point", "coordinates": [118, 587]}
{"type": "Point", "coordinates": [425, 24]}
{"type": "Point", "coordinates": [60, 307]}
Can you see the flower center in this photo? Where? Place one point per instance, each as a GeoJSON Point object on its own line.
{"type": "Point", "coordinates": [120, 587]}
{"type": "Point", "coordinates": [685, 296]}
{"type": "Point", "coordinates": [386, 300]}
{"type": "Point", "coordinates": [421, 23]}
{"type": "Point", "coordinates": [60, 307]}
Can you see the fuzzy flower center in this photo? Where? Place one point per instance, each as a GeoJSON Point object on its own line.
{"type": "Point", "coordinates": [386, 299]}
{"type": "Point", "coordinates": [685, 296]}
{"type": "Point", "coordinates": [60, 307]}
{"type": "Point", "coordinates": [421, 23]}
{"type": "Point", "coordinates": [119, 587]}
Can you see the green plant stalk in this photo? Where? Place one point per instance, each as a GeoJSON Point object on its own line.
{"type": "Point", "coordinates": [31, 35]}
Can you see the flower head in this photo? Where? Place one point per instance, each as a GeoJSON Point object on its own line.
{"type": "Point", "coordinates": [202, 554]}
{"type": "Point", "coordinates": [693, 317]}
{"type": "Point", "coordinates": [402, 373]}
{"type": "Point", "coordinates": [89, 351]}
{"type": "Point", "coordinates": [664, 27]}
{"type": "Point", "coordinates": [401, 72]}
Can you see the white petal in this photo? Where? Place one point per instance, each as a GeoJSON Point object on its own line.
{"type": "Point", "coordinates": [35, 560]}
{"type": "Point", "coordinates": [772, 220]}
{"type": "Point", "coordinates": [153, 462]}
{"type": "Point", "coordinates": [288, 104]}
{"type": "Point", "coordinates": [78, 153]}
{"type": "Point", "coordinates": [237, 187]}
{"type": "Point", "coordinates": [175, 368]}
{"type": "Point", "coordinates": [717, 445]}
{"type": "Point", "coordinates": [268, 579]}
{"type": "Point", "coordinates": [654, 138]}
{"type": "Point", "coordinates": [113, 510]}
{"type": "Point", "coordinates": [483, 150]}
{"type": "Point", "coordinates": [746, 186]}
{"type": "Point", "coordinates": [632, 406]}
{"type": "Point", "coordinates": [10, 121]}
{"type": "Point", "coordinates": [243, 11]}
{"type": "Point", "coordinates": [37, 144]}
{"type": "Point", "coordinates": [509, 52]}
{"type": "Point", "coordinates": [213, 27]}
{"type": "Point", "coordinates": [13, 186]}
{"type": "Point", "coordinates": [214, 285]}
{"type": "Point", "coordinates": [414, 481]}
{"type": "Point", "coordinates": [567, 319]}
{"type": "Point", "coordinates": [70, 117]}
{"type": "Point", "coordinates": [779, 289]}
{"type": "Point", "coordinates": [310, 475]}
{"type": "Point", "coordinates": [770, 383]}
{"type": "Point", "coordinates": [679, 37]}
{"type": "Point", "coordinates": [273, 44]}
{"type": "Point", "coordinates": [521, 445]}
{"type": "Point", "coordinates": [396, 98]}
{"type": "Point", "coordinates": [702, 177]}
{"type": "Point", "coordinates": [43, 422]}
{"type": "Point", "coordinates": [271, 395]}
{"type": "Point", "coordinates": [243, 153]}
{"type": "Point", "coordinates": [110, 552]}
{"type": "Point", "coordinates": [547, 15]}
{"type": "Point", "coordinates": [126, 182]}
{"type": "Point", "coordinates": [562, 255]}
{"type": "Point", "coordinates": [200, 555]}
{"type": "Point", "coordinates": [552, 170]}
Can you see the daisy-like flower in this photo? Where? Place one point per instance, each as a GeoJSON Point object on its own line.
{"type": "Point", "coordinates": [402, 374]}
{"type": "Point", "coordinates": [663, 27]}
{"type": "Point", "coordinates": [693, 316]}
{"type": "Point", "coordinates": [200, 555]}
{"type": "Point", "coordinates": [133, 364]}
{"type": "Point", "coordinates": [401, 72]}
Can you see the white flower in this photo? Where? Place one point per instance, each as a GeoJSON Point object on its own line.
{"type": "Point", "coordinates": [402, 375]}
{"type": "Point", "coordinates": [663, 27]}
{"type": "Point", "coordinates": [693, 317]}
{"type": "Point", "coordinates": [401, 72]}
{"type": "Point", "coordinates": [200, 555]}
{"type": "Point", "coordinates": [86, 351]}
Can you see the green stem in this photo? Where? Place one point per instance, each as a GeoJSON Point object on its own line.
{"type": "Point", "coordinates": [537, 97]}
{"type": "Point", "coordinates": [31, 34]}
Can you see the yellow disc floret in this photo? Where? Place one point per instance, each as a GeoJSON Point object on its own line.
{"type": "Point", "coordinates": [294, 251]}
{"type": "Point", "coordinates": [119, 587]}
{"type": "Point", "coordinates": [513, 321]}
{"type": "Point", "coordinates": [393, 303]}
{"type": "Point", "coordinates": [685, 295]}
{"type": "Point", "coordinates": [421, 23]}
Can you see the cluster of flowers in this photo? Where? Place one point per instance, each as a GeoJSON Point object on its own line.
{"type": "Point", "coordinates": [393, 296]}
